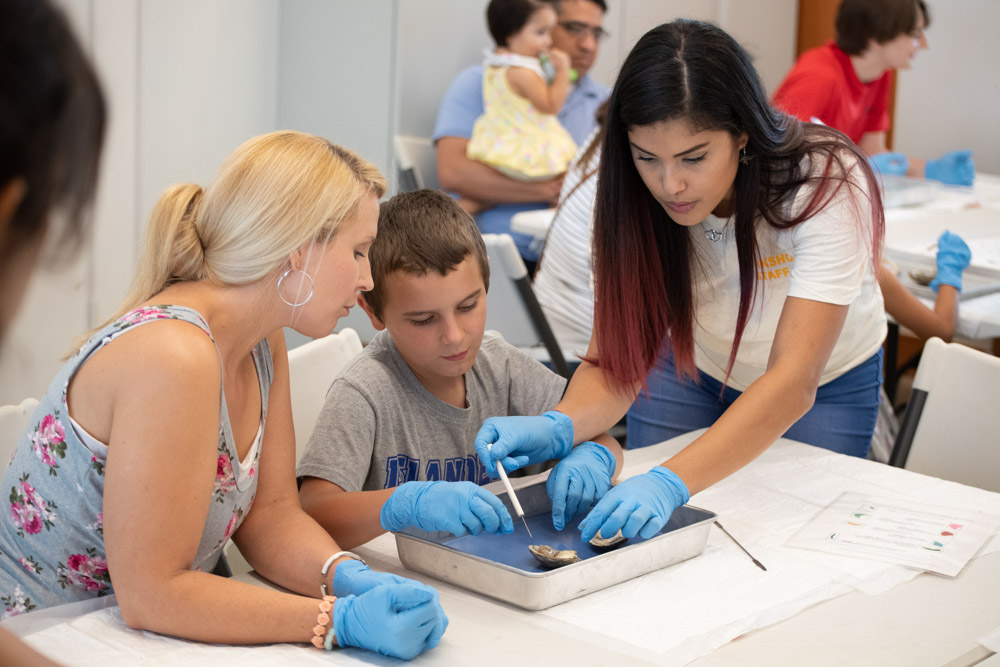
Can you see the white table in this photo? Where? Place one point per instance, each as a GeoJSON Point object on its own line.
{"type": "Point", "coordinates": [974, 214]}
{"type": "Point", "coordinates": [927, 621]}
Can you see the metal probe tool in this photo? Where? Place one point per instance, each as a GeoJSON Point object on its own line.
{"type": "Point", "coordinates": [510, 492]}
{"type": "Point", "coordinates": [755, 561]}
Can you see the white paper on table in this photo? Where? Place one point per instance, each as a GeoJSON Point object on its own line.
{"type": "Point", "coordinates": [928, 537]}
{"type": "Point", "coordinates": [991, 640]}
{"type": "Point", "coordinates": [986, 251]}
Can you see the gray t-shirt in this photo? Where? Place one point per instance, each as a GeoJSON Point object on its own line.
{"type": "Point", "coordinates": [380, 427]}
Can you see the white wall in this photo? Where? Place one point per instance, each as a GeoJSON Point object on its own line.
{"type": "Point", "coordinates": [950, 98]}
{"type": "Point", "coordinates": [337, 73]}
{"type": "Point", "coordinates": [423, 80]}
{"type": "Point", "coordinates": [188, 80]}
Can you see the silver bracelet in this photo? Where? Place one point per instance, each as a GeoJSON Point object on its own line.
{"type": "Point", "coordinates": [329, 562]}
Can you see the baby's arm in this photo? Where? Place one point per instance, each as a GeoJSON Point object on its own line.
{"type": "Point", "coordinates": [352, 518]}
{"type": "Point", "coordinates": [547, 98]}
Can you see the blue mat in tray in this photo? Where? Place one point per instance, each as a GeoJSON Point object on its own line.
{"type": "Point", "coordinates": [512, 549]}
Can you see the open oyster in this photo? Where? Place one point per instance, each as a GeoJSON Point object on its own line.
{"type": "Point", "coordinates": [922, 277]}
{"type": "Point", "coordinates": [550, 557]}
{"type": "Point", "coordinates": [602, 543]}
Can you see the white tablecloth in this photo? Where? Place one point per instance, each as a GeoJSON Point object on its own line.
{"type": "Point", "coordinates": [668, 617]}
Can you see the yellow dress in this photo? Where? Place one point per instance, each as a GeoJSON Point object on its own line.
{"type": "Point", "coordinates": [512, 136]}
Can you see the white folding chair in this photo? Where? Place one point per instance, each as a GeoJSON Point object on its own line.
{"type": "Point", "coordinates": [951, 428]}
{"type": "Point", "coordinates": [311, 370]}
{"type": "Point", "coordinates": [511, 306]}
{"type": "Point", "coordinates": [13, 421]}
{"type": "Point", "coordinates": [416, 163]}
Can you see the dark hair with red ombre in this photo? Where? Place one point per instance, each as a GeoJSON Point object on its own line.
{"type": "Point", "coordinates": [695, 72]}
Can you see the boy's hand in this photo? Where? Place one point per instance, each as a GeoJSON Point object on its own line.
{"type": "Point", "coordinates": [401, 620]}
{"type": "Point", "coordinates": [640, 505]}
{"type": "Point", "coordinates": [889, 163]}
{"type": "Point", "coordinates": [579, 480]}
{"type": "Point", "coordinates": [460, 508]}
{"type": "Point", "coordinates": [953, 168]}
{"type": "Point", "coordinates": [518, 441]}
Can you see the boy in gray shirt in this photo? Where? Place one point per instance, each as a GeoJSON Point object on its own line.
{"type": "Point", "coordinates": [393, 445]}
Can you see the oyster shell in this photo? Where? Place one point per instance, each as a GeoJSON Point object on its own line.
{"type": "Point", "coordinates": [550, 557]}
{"type": "Point", "coordinates": [922, 277]}
{"type": "Point", "coordinates": [602, 543]}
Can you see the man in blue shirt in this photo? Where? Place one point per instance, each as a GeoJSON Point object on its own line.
{"type": "Point", "coordinates": [499, 197]}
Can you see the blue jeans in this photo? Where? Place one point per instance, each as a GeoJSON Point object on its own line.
{"type": "Point", "coordinates": [842, 419]}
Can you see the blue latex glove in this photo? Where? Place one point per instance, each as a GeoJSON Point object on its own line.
{"type": "Point", "coordinates": [889, 163]}
{"type": "Point", "coordinates": [461, 508]}
{"type": "Point", "coordinates": [640, 505]}
{"type": "Point", "coordinates": [400, 620]}
{"type": "Point", "coordinates": [518, 441]}
{"type": "Point", "coordinates": [354, 577]}
{"type": "Point", "coordinates": [953, 256]}
{"type": "Point", "coordinates": [953, 168]}
{"type": "Point", "coordinates": [579, 480]}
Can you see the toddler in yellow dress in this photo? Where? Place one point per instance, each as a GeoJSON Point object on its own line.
{"type": "Point", "coordinates": [518, 133]}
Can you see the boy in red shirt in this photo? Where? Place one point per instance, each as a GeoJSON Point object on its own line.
{"type": "Point", "coordinates": [846, 82]}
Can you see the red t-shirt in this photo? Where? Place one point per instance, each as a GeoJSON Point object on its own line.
{"type": "Point", "coordinates": [823, 85]}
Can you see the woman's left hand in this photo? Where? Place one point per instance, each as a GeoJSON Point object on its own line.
{"type": "Point", "coordinates": [640, 505]}
{"type": "Point", "coordinates": [579, 480]}
{"type": "Point", "coordinates": [354, 577]}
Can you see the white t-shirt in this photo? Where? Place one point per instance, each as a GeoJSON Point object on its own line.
{"type": "Point", "coordinates": [564, 283]}
{"type": "Point", "coordinates": [827, 258]}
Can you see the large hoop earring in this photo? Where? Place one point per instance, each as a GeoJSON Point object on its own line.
{"type": "Point", "coordinates": [308, 296]}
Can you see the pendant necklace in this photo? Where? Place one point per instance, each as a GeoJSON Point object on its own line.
{"type": "Point", "coordinates": [713, 235]}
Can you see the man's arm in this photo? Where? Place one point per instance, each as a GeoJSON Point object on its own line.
{"type": "Point", "coordinates": [472, 179]}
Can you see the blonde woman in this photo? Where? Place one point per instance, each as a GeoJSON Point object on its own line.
{"type": "Point", "coordinates": [170, 430]}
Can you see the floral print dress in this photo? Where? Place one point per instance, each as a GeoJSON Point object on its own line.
{"type": "Point", "coordinates": [51, 534]}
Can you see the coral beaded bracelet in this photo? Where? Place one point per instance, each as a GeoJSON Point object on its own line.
{"type": "Point", "coordinates": [322, 620]}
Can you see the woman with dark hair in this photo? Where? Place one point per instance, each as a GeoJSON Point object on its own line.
{"type": "Point", "coordinates": [51, 127]}
{"type": "Point", "coordinates": [735, 254]}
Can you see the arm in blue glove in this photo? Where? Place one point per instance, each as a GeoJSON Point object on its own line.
{"type": "Point", "coordinates": [399, 620]}
{"type": "Point", "coordinates": [640, 505]}
{"type": "Point", "coordinates": [461, 508]}
{"type": "Point", "coordinates": [354, 577]}
{"type": "Point", "coordinates": [953, 168]}
{"type": "Point", "coordinates": [518, 441]}
{"type": "Point", "coordinates": [579, 480]}
{"type": "Point", "coordinates": [889, 163]}
{"type": "Point", "coordinates": [953, 256]}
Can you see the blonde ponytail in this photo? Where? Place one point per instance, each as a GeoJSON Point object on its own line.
{"type": "Point", "coordinates": [171, 249]}
{"type": "Point", "coordinates": [273, 194]}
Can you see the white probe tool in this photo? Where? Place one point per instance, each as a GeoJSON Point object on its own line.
{"type": "Point", "coordinates": [510, 492]}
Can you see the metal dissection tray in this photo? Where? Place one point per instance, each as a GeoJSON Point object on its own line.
{"type": "Point", "coordinates": [500, 566]}
{"type": "Point", "coordinates": [976, 280]}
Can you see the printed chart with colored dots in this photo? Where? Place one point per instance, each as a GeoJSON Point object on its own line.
{"type": "Point", "coordinates": [893, 530]}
